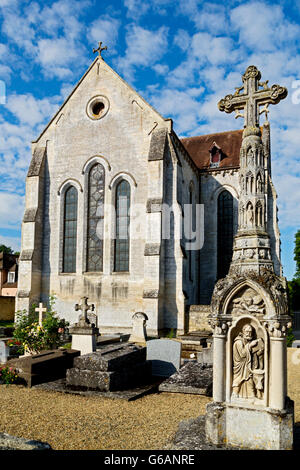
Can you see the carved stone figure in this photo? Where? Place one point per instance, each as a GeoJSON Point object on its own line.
{"type": "Point", "coordinates": [248, 302]}
{"type": "Point", "coordinates": [248, 365]}
{"type": "Point", "coordinates": [250, 215]}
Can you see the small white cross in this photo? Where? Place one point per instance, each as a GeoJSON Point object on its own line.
{"type": "Point", "coordinates": [40, 310]}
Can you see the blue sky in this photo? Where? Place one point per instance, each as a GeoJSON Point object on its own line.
{"type": "Point", "coordinates": [182, 56]}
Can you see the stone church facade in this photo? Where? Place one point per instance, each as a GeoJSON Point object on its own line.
{"type": "Point", "coordinates": [108, 163]}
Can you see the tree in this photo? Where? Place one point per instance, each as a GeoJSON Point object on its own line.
{"type": "Point", "coordinates": [294, 284]}
{"type": "Point", "coordinates": [6, 249]}
{"type": "Point", "coordinates": [297, 255]}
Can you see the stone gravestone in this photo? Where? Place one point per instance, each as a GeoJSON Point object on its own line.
{"type": "Point", "coordinates": [138, 334]}
{"type": "Point", "coordinates": [84, 333]}
{"type": "Point", "coordinates": [165, 355]}
{"type": "Point", "coordinates": [4, 352]}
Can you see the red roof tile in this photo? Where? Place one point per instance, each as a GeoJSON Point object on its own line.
{"type": "Point", "coordinates": [229, 142]}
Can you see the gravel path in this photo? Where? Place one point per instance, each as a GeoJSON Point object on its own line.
{"type": "Point", "coordinates": [74, 422]}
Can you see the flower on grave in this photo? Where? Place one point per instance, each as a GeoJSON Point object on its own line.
{"type": "Point", "coordinates": [8, 375]}
{"type": "Point", "coordinates": [35, 337]}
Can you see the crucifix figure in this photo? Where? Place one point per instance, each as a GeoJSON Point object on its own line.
{"type": "Point", "coordinates": [100, 49]}
{"type": "Point", "coordinates": [84, 307]}
{"type": "Point", "coordinates": [255, 94]}
{"type": "Point", "coordinates": [40, 309]}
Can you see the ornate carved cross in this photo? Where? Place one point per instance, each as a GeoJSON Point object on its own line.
{"type": "Point", "coordinates": [255, 95]}
{"type": "Point", "coordinates": [100, 49]}
{"type": "Point", "coordinates": [40, 309]}
{"type": "Point", "coordinates": [84, 307]}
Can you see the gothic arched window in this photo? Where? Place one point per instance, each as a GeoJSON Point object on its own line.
{"type": "Point", "coordinates": [225, 232]}
{"type": "Point", "coordinates": [70, 230]}
{"type": "Point", "coordinates": [121, 252]}
{"type": "Point", "coordinates": [95, 218]}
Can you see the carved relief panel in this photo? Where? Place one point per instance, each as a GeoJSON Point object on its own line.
{"type": "Point", "coordinates": [247, 378]}
{"type": "Point", "coordinates": [247, 301]}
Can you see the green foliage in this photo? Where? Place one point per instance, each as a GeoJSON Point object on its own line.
{"type": "Point", "coordinates": [35, 337]}
{"type": "Point", "coordinates": [171, 333]}
{"type": "Point", "coordinates": [8, 375]}
{"type": "Point", "coordinates": [6, 249]}
{"type": "Point", "coordinates": [6, 324]}
{"type": "Point", "coordinates": [290, 338]}
{"type": "Point", "coordinates": [297, 255]}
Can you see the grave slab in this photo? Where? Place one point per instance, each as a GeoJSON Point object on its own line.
{"type": "Point", "coordinates": [193, 378]}
{"type": "Point", "coordinates": [44, 367]}
{"type": "Point", "coordinates": [112, 367]}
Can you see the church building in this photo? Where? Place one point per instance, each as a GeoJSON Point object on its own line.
{"type": "Point", "coordinates": [121, 210]}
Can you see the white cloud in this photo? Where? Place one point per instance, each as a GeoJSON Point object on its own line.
{"type": "Point", "coordinates": [206, 16]}
{"type": "Point", "coordinates": [104, 29]}
{"type": "Point", "coordinates": [29, 110]}
{"type": "Point", "coordinates": [11, 210]}
{"type": "Point", "coordinates": [263, 26]}
{"type": "Point", "coordinates": [13, 242]}
{"type": "Point", "coordinates": [144, 48]}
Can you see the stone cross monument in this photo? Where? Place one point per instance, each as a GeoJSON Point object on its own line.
{"type": "Point", "coordinates": [84, 333]}
{"type": "Point", "coordinates": [249, 307]}
{"type": "Point", "coordinates": [251, 248]}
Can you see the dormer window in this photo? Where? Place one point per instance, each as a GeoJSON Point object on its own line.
{"type": "Point", "coordinates": [10, 277]}
{"type": "Point", "coordinates": [215, 155]}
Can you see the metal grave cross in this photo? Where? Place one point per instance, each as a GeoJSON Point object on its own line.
{"type": "Point", "coordinates": [40, 309]}
{"type": "Point", "coordinates": [84, 307]}
{"type": "Point", "coordinates": [100, 49]}
{"type": "Point", "coordinates": [255, 94]}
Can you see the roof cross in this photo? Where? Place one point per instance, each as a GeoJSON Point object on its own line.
{"type": "Point", "coordinates": [255, 95]}
{"type": "Point", "coordinates": [100, 49]}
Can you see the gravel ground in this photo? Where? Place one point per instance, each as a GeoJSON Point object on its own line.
{"type": "Point", "coordinates": [69, 422]}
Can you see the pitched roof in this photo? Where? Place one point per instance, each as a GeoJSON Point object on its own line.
{"type": "Point", "coordinates": [229, 142]}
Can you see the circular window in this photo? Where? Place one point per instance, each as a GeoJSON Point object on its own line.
{"type": "Point", "coordinates": [97, 107]}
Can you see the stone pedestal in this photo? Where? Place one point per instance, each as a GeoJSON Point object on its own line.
{"type": "Point", "coordinates": [84, 337]}
{"type": "Point", "coordinates": [250, 427]}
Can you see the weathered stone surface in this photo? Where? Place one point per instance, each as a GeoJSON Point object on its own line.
{"type": "Point", "coordinates": [30, 214]}
{"type": "Point", "coordinates": [8, 442]}
{"type": "Point", "coordinates": [157, 145]}
{"type": "Point", "coordinates": [250, 428]}
{"type": "Point", "coordinates": [152, 249]}
{"type": "Point", "coordinates": [111, 358]}
{"type": "Point", "coordinates": [110, 380]}
{"type": "Point", "coordinates": [191, 436]}
{"type": "Point", "coordinates": [36, 162]}
{"type": "Point", "coordinates": [192, 378]}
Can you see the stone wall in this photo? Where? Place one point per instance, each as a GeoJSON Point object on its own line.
{"type": "Point", "coordinates": [211, 185]}
{"type": "Point", "coordinates": [7, 308]}
{"type": "Point", "coordinates": [198, 318]}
